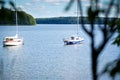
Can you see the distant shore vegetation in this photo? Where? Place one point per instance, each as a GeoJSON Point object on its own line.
{"type": "Point", "coordinates": [70, 20]}
{"type": "Point", "coordinates": [8, 17]}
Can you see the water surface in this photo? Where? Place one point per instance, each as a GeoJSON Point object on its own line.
{"type": "Point", "coordinates": [45, 57]}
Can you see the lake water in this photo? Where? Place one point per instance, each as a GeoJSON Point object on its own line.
{"type": "Point", "coordinates": [45, 57]}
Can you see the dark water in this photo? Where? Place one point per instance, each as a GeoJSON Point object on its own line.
{"type": "Point", "coordinates": [45, 57]}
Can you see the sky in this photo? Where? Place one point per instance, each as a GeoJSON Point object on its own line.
{"type": "Point", "coordinates": [47, 8]}
{"type": "Point", "coordinates": [44, 8]}
{"type": "Point", "coordinates": [52, 8]}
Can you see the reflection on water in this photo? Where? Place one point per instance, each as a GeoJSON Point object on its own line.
{"type": "Point", "coordinates": [8, 61]}
{"type": "Point", "coordinates": [75, 45]}
{"type": "Point", "coordinates": [13, 48]}
{"type": "Point", "coordinates": [1, 69]}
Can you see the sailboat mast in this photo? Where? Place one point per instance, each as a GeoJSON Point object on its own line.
{"type": "Point", "coordinates": [77, 17]}
{"type": "Point", "coordinates": [16, 17]}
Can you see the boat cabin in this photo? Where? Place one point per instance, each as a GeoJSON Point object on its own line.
{"type": "Point", "coordinates": [74, 38]}
{"type": "Point", "coordinates": [9, 39]}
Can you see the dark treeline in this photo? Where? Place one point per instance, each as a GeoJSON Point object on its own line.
{"type": "Point", "coordinates": [68, 20]}
{"type": "Point", "coordinates": [7, 17]}
{"type": "Point", "coordinates": [56, 20]}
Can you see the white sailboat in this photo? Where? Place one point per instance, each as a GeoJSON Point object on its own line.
{"type": "Point", "coordinates": [13, 40]}
{"type": "Point", "coordinates": [74, 39]}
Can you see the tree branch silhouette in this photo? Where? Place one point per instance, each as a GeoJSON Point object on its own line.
{"type": "Point", "coordinates": [107, 30]}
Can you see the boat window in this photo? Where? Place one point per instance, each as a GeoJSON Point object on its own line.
{"type": "Point", "coordinates": [9, 39]}
{"type": "Point", "coordinates": [77, 38]}
{"type": "Point", "coordinates": [72, 38]}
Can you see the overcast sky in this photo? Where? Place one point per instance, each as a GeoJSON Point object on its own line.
{"type": "Point", "coordinates": [52, 8]}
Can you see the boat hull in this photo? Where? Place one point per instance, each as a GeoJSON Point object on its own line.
{"type": "Point", "coordinates": [12, 43]}
{"type": "Point", "coordinates": [73, 42]}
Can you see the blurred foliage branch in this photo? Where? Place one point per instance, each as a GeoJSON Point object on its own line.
{"type": "Point", "coordinates": [3, 2]}
{"type": "Point", "coordinates": [112, 68]}
{"type": "Point", "coordinates": [108, 29]}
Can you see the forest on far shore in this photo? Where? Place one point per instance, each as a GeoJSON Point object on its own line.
{"type": "Point", "coordinates": [70, 20]}
{"type": "Point", "coordinates": [8, 17]}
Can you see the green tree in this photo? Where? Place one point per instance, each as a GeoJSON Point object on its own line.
{"type": "Point", "coordinates": [108, 29]}
{"type": "Point", "coordinates": [7, 16]}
